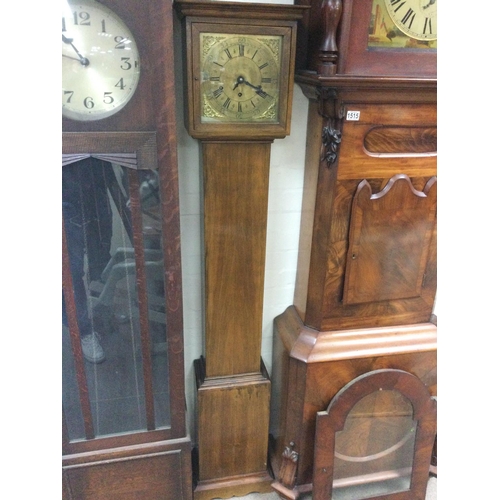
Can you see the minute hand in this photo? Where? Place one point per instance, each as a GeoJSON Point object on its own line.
{"type": "Point", "coordinates": [258, 89]}
{"type": "Point", "coordinates": [69, 41]}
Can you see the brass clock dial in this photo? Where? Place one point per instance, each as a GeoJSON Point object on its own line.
{"type": "Point", "coordinates": [415, 18]}
{"type": "Point", "coordinates": [100, 61]}
{"type": "Point", "coordinates": [240, 77]}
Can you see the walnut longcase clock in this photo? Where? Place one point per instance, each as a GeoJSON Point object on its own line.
{"type": "Point", "coordinates": [239, 60]}
{"type": "Point", "coordinates": [124, 428]}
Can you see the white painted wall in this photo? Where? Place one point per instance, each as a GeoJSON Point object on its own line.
{"type": "Point", "coordinates": [285, 199]}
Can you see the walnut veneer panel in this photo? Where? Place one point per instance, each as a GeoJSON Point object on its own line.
{"type": "Point", "coordinates": [413, 120]}
{"type": "Point", "coordinates": [233, 440]}
{"type": "Point", "coordinates": [389, 240]}
{"type": "Point", "coordinates": [388, 141]}
{"type": "Point", "coordinates": [236, 193]}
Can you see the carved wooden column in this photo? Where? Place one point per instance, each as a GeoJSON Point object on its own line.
{"type": "Point", "coordinates": [331, 10]}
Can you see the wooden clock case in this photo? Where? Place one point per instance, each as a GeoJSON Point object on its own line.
{"type": "Point", "coordinates": [154, 463]}
{"type": "Point", "coordinates": [366, 277]}
{"type": "Point", "coordinates": [233, 386]}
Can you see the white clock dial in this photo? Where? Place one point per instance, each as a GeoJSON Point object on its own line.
{"type": "Point", "coordinates": [100, 61]}
{"type": "Point", "coordinates": [415, 18]}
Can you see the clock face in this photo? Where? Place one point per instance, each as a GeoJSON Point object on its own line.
{"type": "Point", "coordinates": [415, 18]}
{"type": "Point", "coordinates": [100, 61]}
{"type": "Point", "coordinates": [240, 77]}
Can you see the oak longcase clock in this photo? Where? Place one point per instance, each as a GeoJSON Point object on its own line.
{"type": "Point", "coordinates": [124, 421]}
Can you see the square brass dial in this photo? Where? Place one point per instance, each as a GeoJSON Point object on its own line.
{"type": "Point", "coordinates": [240, 77]}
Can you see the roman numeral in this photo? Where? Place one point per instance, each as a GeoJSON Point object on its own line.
{"type": "Point", "coordinates": [409, 16]}
{"type": "Point", "coordinates": [227, 102]}
{"type": "Point", "coordinates": [218, 92]}
{"type": "Point", "coordinates": [262, 66]}
{"type": "Point", "coordinates": [427, 25]}
{"type": "Point", "coordinates": [395, 2]}
{"type": "Point", "coordinates": [228, 53]}
{"type": "Point", "coordinates": [242, 50]}
{"type": "Point", "coordinates": [266, 80]}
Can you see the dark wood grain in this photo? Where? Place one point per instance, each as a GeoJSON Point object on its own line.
{"type": "Point", "coordinates": [335, 333]}
{"type": "Point", "coordinates": [328, 198]}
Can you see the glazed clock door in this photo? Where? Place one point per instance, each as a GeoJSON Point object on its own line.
{"type": "Point", "coordinates": [375, 439]}
{"type": "Point", "coordinates": [113, 241]}
{"type": "Point", "coordinates": [124, 423]}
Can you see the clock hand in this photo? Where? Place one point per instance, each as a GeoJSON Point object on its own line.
{"type": "Point", "coordinates": [431, 2]}
{"type": "Point", "coordinates": [239, 80]}
{"type": "Point", "coordinates": [258, 89]}
{"type": "Point", "coordinates": [69, 41]}
{"type": "Point", "coordinates": [249, 84]}
{"type": "Point", "coordinates": [71, 57]}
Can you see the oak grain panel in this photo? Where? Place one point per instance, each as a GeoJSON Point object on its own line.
{"type": "Point", "coordinates": [150, 476]}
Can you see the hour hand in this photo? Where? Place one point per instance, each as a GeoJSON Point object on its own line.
{"type": "Point", "coordinates": [239, 80]}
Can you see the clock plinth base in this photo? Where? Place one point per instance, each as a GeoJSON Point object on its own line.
{"type": "Point", "coordinates": [310, 367]}
{"type": "Point", "coordinates": [233, 430]}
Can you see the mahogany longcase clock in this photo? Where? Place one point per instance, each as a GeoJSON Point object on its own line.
{"type": "Point", "coordinates": [366, 277]}
{"type": "Point", "coordinates": [124, 422]}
